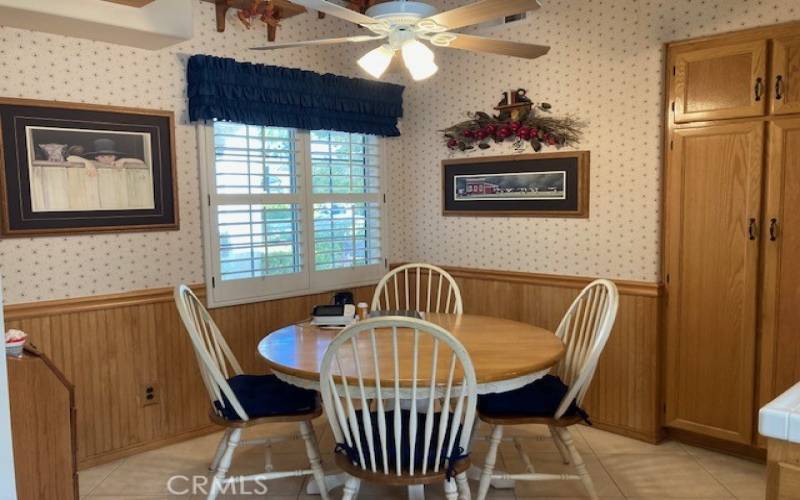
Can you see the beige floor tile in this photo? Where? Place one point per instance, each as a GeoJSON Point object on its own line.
{"type": "Point", "coordinates": [134, 497]}
{"type": "Point", "coordinates": [551, 463]}
{"type": "Point", "coordinates": [606, 443]}
{"type": "Point", "coordinates": [641, 471]}
{"type": "Point", "coordinates": [89, 479]}
{"type": "Point", "coordinates": [743, 478]}
{"type": "Point", "coordinates": [534, 438]}
{"type": "Point", "coordinates": [661, 475]}
{"type": "Point", "coordinates": [585, 497]}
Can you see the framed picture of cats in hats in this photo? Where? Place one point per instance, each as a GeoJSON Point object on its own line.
{"type": "Point", "coordinates": [81, 168]}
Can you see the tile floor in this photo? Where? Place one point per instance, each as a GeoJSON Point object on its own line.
{"type": "Point", "coordinates": [620, 467]}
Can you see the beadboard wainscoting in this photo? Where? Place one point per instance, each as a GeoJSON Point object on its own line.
{"type": "Point", "coordinates": [625, 394]}
{"type": "Point", "coordinates": [112, 347]}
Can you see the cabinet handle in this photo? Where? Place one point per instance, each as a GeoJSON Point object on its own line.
{"type": "Point", "coordinates": [759, 88]}
{"type": "Point", "coordinates": [778, 87]}
{"type": "Point", "coordinates": [751, 229]}
{"type": "Point", "coordinates": [773, 229]}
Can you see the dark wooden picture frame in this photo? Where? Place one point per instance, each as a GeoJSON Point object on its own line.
{"type": "Point", "coordinates": [524, 185]}
{"type": "Point", "coordinates": [131, 149]}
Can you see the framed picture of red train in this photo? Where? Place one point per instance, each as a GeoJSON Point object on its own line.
{"type": "Point", "coordinates": [523, 185]}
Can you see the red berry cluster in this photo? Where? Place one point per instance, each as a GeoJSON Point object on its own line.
{"type": "Point", "coordinates": [501, 131]}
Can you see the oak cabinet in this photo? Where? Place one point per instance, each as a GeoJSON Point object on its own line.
{"type": "Point", "coordinates": [715, 200]}
{"type": "Point", "coordinates": [780, 301]}
{"type": "Point", "coordinates": [731, 245]}
{"type": "Point", "coordinates": [720, 82]}
{"type": "Point", "coordinates": [786, 75]}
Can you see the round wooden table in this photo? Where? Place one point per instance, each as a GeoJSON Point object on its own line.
{"type": "Point", "coordinates": [506, 355]}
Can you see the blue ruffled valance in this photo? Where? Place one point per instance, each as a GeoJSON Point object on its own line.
{"type": "Point", "coordinates": [256, 94]}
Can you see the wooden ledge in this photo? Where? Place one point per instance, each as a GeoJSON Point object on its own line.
{"type": "Point", "coordinates": [93, 303]}
{"type": "Point", "coordinates": [625, 287]}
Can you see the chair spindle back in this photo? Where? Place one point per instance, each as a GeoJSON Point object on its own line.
{"type": "Point", "coordinates": [214, 357]}
{"type": "Point", "coordinates": [430, 289]}
{"type": "Point", "coordinates": [584, 330]}
{"type": "Point", "coordinates": [377, 380]}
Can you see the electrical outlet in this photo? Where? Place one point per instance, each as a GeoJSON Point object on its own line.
{"type": "Point", "coordinates": [150, 394]}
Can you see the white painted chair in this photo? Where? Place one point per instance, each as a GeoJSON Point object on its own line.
{"type": "Point", "coordinates": [584, 329]}
{"type": "Point", "coordinates": [217, 362]}
{"type": "Point", "coordinates": [405, 400]}
{"type": "Point", "coordinates": [429, 289]}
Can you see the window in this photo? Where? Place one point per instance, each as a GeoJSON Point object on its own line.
{"type": "Point", "coordinates": [290, 211]}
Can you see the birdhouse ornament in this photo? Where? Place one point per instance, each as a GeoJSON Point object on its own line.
{"type": "Point", "coordinates": [514, 105]}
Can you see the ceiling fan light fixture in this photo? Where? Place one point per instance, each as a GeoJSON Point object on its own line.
{"type": "Point", "coordinates": [414, 50]}
{"type": "Point", "coordinates": [418, 59]}
{"type": "Point", "coordinates": [421, 70]}
{"type": "Point", "coordinates": [376, 60]}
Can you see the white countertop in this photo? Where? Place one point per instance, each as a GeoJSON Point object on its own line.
{"type": "Point", "coordinates": [780, 418]}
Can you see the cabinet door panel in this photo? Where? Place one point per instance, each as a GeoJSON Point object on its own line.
{"type": "Point", "coordinates": [713, 207]}
{"type": "Point", "coordinates": [720, 82]}
{"type": "Point", "coordinates": [786, 75]}
{"type": "Point", "coordinates": [780, 317]}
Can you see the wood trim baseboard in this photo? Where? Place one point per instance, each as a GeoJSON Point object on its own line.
{"type": "Point", "coordinates": [93, 303]}
{"type": "Point", "coordinates": [107, 457]}
{"type": "Point", "coordinates": [625, 287]}
{"type": "Point", "coordinates": [730, 448]}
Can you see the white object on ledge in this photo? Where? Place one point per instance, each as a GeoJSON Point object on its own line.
{"type": "Point", "coordinates": [15, 341]}
{"type": "Point", "coordinates": [780, 418]}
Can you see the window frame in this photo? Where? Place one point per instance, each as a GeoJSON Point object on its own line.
{"type": "Point", "coordinates": [308, 281]}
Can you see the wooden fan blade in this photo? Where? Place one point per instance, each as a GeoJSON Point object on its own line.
{"type": "Point", "coordinates": [337, 11]}
{"type": "Point", "coordinates": [496, 46]}
{"type": "Point", "coordinates": [324, 41]}
{"type": "Point", "coordinates": [484, 10]}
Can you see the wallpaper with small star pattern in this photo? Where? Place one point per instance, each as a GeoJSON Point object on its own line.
{"type": "Point", "coordinates": [50, 67]}
{"type": "Point", "coordinates": [605, 66]}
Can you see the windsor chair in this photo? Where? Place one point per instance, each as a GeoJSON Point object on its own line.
{"type": "Point", "coordinates": [382, 437]}
{"type": "Point", "coordinates": [584, 330]}
{"type": "Point", "coordinates": [241, 401]}
{"type": "Point", "coordinates": [431, 289]}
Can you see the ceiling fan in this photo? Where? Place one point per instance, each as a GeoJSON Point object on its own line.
{"type": "Point", "coordinates": [404, 23]}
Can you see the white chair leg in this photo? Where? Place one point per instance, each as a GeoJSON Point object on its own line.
{"type": "Point", "coordinates": [224, 463]}
{"type": "Point", "coordinates": [560, 445]}
{"type": "Point", "coordinates": [450, 489]}
{"type": "Point", "coordinates": [223, 442]}
{"type": "Point", "coordinates": [416, 492]}
{"type": "Point", "coordinates": [577, 461]}
{"type": "Point", "coordinates": [463, 487]}
{"type": "Point", "coordinates": [351, 488]}
{"type": "Point", "coordinates": [307, 431]}
{"type": "Point", "coordinates": [491, 458]}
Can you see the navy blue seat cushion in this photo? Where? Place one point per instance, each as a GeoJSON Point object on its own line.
{"type": "Point", "coordinates": [405, 443]}
{"type": "Point", "coordinates": [266, 396]}
{"type": "Point", "coordinates": [537, 399]}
